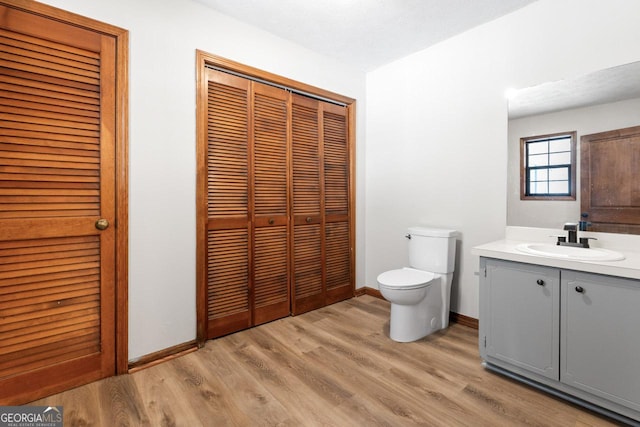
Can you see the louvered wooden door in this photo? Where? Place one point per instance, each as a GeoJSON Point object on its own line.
{"type": "Point", "coordinates": [57, 177]}
{"type": "Point", "coordinates": [337, 240]}
{"type": "Point", "coordinates": [229, 221]}
{"type": "Point", "coordinates": [308, 205]}
{"type": "Point", "coordinates": [321, 214]}
{"type": "Point", "coordinates": [247, 200]}
{"type": "Point", "coordinates": [270, 204]}
{"type": "Point", "coordinates": [278, 203]}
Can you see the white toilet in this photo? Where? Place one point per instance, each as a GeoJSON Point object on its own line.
{"type": "Point", "coordinates": [419, 294]}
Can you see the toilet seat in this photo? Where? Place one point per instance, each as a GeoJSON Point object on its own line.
{"type": "Point", "coordinates": [405, 278]}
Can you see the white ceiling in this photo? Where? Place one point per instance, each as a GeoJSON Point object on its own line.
{"type": "Point", "coordinates": [366, 33]}
{"type": "Point", "coordinates": [600, 87]}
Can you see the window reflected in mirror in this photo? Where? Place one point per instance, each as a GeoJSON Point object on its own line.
{"type": "Point", "coordinates": [548, 169]}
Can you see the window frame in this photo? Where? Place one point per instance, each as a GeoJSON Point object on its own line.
{"type": "Point", "coordinates": [524, 168]}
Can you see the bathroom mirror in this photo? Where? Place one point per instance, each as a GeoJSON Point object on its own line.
{"type": "Point", "coordinates": [597, 102]}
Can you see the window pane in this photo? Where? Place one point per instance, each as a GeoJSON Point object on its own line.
{"type": "Point", "coordinates": [537, 147]}
{"type": "Point", "coordinates": [559, 187]}
{"type": "Point", "coordinates": [539, 174]}
{"type": "Point", "coordinates": [559, 174]}
{"type": "Point", "coordinates": [560, 145]}
{"type": "Point", "coordinates": [538, 160]}
{"type": "Point", "coordinates": [560, 159]}
{"type": "Point", "coordinates": [539, 188]}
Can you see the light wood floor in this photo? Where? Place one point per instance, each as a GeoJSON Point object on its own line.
{"type": "Point", "coordinates": [332, 367]}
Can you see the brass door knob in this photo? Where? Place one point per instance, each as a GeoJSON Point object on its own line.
{"type": "Point", "coordinates": [102, 224]}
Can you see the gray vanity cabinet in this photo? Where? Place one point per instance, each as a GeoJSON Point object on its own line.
{"type": "Point", "coordinates": [573, 333]}
{"type": "Point", "coordinates": [600, 345]}
{"type": "Point", "coordinates": [520, 319]}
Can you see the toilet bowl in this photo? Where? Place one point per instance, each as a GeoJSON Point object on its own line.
{"type": "Point", "coordinates": [420, 294]}
{"type": "Point", "coordinates": [406, 289]}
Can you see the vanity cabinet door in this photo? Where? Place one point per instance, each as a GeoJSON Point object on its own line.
{"type": "Point", "coordinates": [600, 333]}
{"type": "Point", "coordinates": [519, 316]}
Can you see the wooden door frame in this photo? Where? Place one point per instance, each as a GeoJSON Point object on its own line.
{"type": "Point", "coordinates": [204, 59]}
{"type": "Point", "coordinates": [121, 96]}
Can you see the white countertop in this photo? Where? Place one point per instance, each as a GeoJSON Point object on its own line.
{"type": "Point", "coordinates": [506, 250]}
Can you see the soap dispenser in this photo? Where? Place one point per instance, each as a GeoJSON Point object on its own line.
{"type": "Point", "coordinates": [583, 224]}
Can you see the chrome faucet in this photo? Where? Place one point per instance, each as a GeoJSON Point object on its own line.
{"type": "Point", "coordinates": [572, 237]}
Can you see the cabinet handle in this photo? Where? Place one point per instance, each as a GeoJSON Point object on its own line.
{"type": "Point", "coordinates": [271, 221]}
{"type": "Point", "coordinates": [309, 219]}
{"type": "Point", "coordinates": [540, 282]}
{"type": "Point", "coordinates": [579, 289]}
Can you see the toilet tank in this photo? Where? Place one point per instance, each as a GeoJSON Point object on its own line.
{"type": "Point", "coordinates": [432, 249]}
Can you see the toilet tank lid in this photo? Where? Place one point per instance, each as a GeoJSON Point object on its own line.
{"type": "Point", "coordinates": [432, 232]}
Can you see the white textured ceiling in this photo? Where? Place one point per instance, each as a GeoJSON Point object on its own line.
{"type": "Point", "coordinates": [600, 87]}
{"type": "Point", "coordinates": [366, 33]}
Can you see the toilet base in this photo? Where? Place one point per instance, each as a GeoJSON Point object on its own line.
{"type": "Point", "coordinates": [409, 323]}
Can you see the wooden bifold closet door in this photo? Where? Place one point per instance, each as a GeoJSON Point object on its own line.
{"type": "Point", "coordinates": [247, 245]}
{"type": "Point", "coordinates": [278, 237]}
{"type": "Point", "coordinates": [321, 243]}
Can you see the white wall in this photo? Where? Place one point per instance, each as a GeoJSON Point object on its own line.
{"type": "Point", "coordinates": [164, 36]}
{"type": "Point", "coordinates": [437, 124]}
{"type": "Point", "coordinates": [436, 127]}
{"type": "Point", "coordinates": [585, 121]}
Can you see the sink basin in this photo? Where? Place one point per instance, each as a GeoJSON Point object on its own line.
{"type": "Point", "coordinates": [570, 252]}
